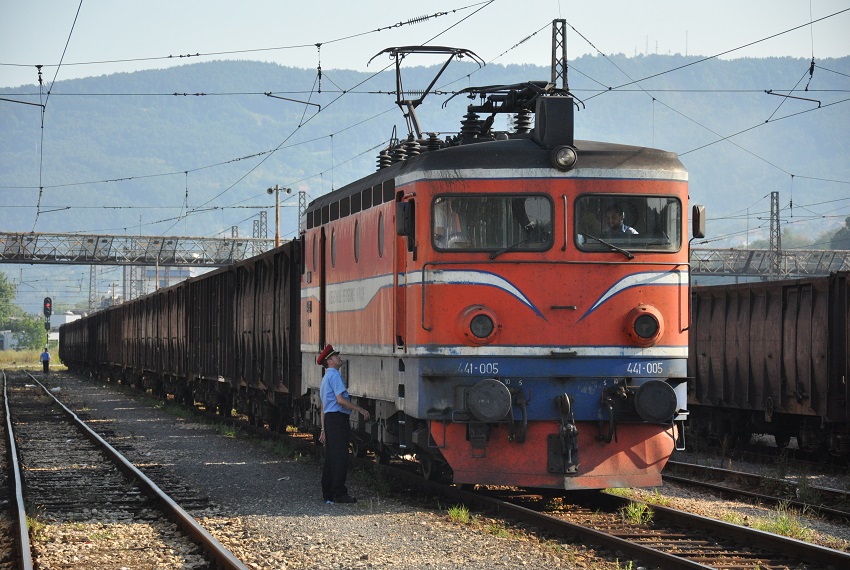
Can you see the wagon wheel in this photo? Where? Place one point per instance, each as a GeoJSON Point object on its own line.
{"type": "Point", "coordinates": [782, 440]}
{"type": "Point", "coordinates": [429, 468]}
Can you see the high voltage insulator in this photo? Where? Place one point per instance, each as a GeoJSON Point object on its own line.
{"type": "Point", "coordinates": [417, 20]}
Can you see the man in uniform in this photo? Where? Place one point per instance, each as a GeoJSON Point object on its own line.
{"type": "Point", "coordinates": [336, 428]}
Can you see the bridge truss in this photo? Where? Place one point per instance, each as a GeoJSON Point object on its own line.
{"type": "Point", "coordinates": [76, 249]}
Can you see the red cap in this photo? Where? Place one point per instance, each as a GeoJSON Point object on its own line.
{"type": "Point", "coordinates": [325, 354]}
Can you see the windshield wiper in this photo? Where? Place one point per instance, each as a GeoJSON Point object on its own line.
{"type": "Point", "coordinates": [628, 254]}
{"type": "Point", "coordinates": [499, 252]}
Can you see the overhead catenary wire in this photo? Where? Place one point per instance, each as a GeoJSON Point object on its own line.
{"type": "Point", "coordinates": [481, 6]}
{"type": "Point", "coordinates": [336, 99]}
{"type": "Point", "coordinates": [411, 21]}
{"type": "Point", "coordinates": [199, 54]}
{"type": "Point", "coordinates": [44, 110]}
{"type": "Point", "coordinates": [257, 154]}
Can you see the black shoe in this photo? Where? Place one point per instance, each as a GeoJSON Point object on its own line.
{"type": "Point", "coordinates": [345, 499]}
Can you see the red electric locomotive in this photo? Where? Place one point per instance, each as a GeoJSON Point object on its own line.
{"type": "Point", "coordinates": [511, 306]}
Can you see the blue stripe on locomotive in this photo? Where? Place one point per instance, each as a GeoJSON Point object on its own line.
{"type": "Point", "coordinates": [540, 379]}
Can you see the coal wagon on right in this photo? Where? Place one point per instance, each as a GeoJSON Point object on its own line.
{"type": "Point", "coordinates": [772, 358]}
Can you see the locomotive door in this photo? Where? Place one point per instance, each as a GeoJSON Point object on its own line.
{"type": "Point", "coordinates": [400, 289]}
{"type": "Point", "coordinates": [323, 286]}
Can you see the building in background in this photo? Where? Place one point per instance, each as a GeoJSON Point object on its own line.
{"type": "Point", "coordinates": [8, 340]}
{"type": "Point", "coordinates": [56, 321]}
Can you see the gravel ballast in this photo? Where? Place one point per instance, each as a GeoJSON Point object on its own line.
{"type": "Point", "coordinates": [268, 510]}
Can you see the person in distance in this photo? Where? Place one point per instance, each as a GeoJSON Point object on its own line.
{"type": "Point", "coordinates": [45, 360]}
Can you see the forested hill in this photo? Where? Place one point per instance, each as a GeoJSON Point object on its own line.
{"type": "Point", "coordinates": [135, 152]}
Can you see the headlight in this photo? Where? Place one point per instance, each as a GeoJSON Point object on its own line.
{"type": "Point", "coordinates": [644, 325]}
{"type": "Point", "coordinates": [481, 326]}
{"type": "Point", "coordinates": [478, 324]}
{"type": "Point", "coordinates": [564, 157]}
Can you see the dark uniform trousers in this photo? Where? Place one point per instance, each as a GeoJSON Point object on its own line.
{"type": "Point", "coordinates": [335, 472]}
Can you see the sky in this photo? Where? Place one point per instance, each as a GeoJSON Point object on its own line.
{"type": "Point", "coordinates": [84, 34]}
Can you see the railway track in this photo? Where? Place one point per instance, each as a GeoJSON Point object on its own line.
{"type": "Point", "coordinates": [761, 450]}
{"type": "Point", "coordinates": [829, 503]}
{"type": "Point", "coordinates": [86, 505]}
{"type": "Point", "coordinates": [646, 535]}
{"type": "Point", "coordinates": [669, 540]}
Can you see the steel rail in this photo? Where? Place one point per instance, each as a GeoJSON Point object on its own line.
{"type": "Point", "coordinates": [789, 547]}
{"type": "Point", "coordinates": [833, 495]}
{"type": "Point", "coordinates": [551, 524]}
{"type": "Point", "coordinates": [22, 538]}
{"type": "Point", "coordinates": [223, 557]}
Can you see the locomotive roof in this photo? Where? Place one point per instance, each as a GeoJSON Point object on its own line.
{"type": "Point", "coordinates": [517, 153]}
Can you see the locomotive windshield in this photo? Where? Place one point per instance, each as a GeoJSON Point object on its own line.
{"type": "Point", "coordinates": [633, 223]}
{"type": "Point", "coordinates": [495, 223]}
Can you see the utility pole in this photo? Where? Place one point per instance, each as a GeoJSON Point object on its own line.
{"type": "Point", "coordinates": [775, 236]}
{"type": "Point", "coordinates": [261, 229]}
{"type": "Point", "coordinates": [276, 191]}
{"type": "Point", "coordinates": [559, 54]}
{"type": "Point", "coordinates": [302, 210]}
{"type": "Point", "coordinates": [92, 287]}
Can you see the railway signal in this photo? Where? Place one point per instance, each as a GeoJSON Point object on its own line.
{"type": "Point", "coordinates": [48, 310]}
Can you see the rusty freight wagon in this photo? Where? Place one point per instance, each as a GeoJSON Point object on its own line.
{"type": "Point", "coordinates": [228, 339]}
{"type": "Point", "coordinates": [772, 358]}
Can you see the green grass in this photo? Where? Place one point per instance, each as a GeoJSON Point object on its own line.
{"type": "Point", "coordinates": [657, 498]}
{"type": "Point", "coordinates": [36, 527]}
{"type": "Point", "coordinates": [460, 514]}
{"type": "Point", "coordinates": [227, 431]}
{"type": "Point", "coordinates": [637, 513]}
{"type": "Point", "coordinates": [653, 497]}
{"type": "Point", "coordinates": [734, 518]}
{"type": "Point", "coordinates": [498, 530]}
{"type": "Point", "coordinates": [783, 521]}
